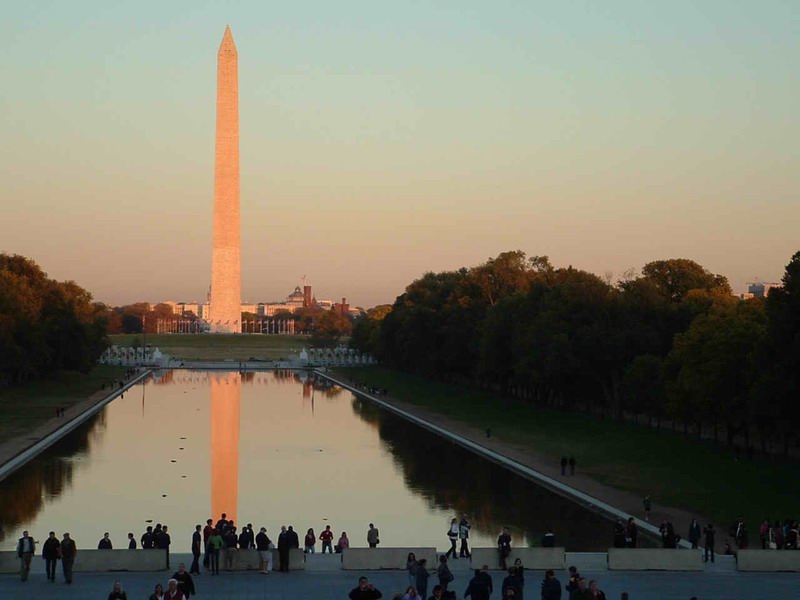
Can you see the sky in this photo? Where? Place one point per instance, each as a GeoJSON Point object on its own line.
{"type": "Point", "coordinates": [382, 140]}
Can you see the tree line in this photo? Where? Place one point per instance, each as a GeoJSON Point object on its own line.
{"type": "Point", "coordinates": [45, 325]}
{"type": "Point", "coordinates": [670, 343]}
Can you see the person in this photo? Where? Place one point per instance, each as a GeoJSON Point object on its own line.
{"type": "Point", "coordinates": [197, 542]}
{"type": "Point", "coordinates": [671, 538]}
{"type": "Point", "coordinates": [694, 534]}
{"type": "Point", "coordinates": [742, 537]}
{"type": "Point", "coordinates": [709, 532]}
{"type": "Point", "coordinates": [619, 535]}
{"type": "Point", "coordinates": [68, 553]}
{"type": "Point", "coordinates": [551, 587]}
{"type": "Point", "coordinates": [411, 567]}
{"type": "Point", "coordinates": [549, 539]}
{"type": "Point", "coordinates": [294, 542]}
{"type": "Point", "coordinates": [572, 465]}
{"type": "Point", "coordinates": [452, 535]}
{"type": "Point", "coordinates": [263, 544]}
{"type": "Point", "coordinates": [283, 550]}
{"type": "Point", "coordinates": [163, 542]}
{"type": "Point", "coordinates": [117, 593]}
{"type": "Point", "coordinates": [597, 594]}
{"type": "Point", "coordinates": [105, 543]}
{"type": "Point", "coordinates": [364, 591]}
{"type": "Point", "coordinates": [26, 546]}
{"type": "Point", "coordinates": [185, 581]}
{"type": "Point", "coordinates": [51, 550]}
{"type": "Point", "coordinates": [463, 534]}
{"type": "Point", "coordinates": [777, 535]}
{"type": "Point", "coordinates": [511, 581]}
{"type": "Point", "coordinates": [373, 536]}
{"type": "Point", "coordinates": [563, 465]}
{"type": "Point", "coordinates": [477, 588]}
{"type": "Point", "coordinates": [438, 593]}
{"type": "Point", "coordinates": [631, 534]}
{"type": "Point", "coordinates": [504, 547]}
{"type": "Point", "coordinates": [763, 533]}
{"type": "Point", "coordinates": [581, 591]}
{"type": "Point", "coordinates": [250, 538]}
{"type": "Point", "coordinates": [343, 543]}
{"type": "Point", "coordinates": [422, 577]}
{"type": "Point", "coordinates": [310, 541]}
{"type": "Point", "coordinates": [572, 581]}
{"type": "Point", "coordinates": [131, 542]}
{"type": "Point", "coordinates": [231, 548]}
{"type": "Point", "coordinates": [215, 544]}
{"type": "Point", "coordinates": [443, 573]}
{"type": "Point", "coordinates": [647, 506]}
{"type": "Point", "coordinates": [148, 539]}
{"type": "Point", "coordinates": [173, 593]}
{"type": "Point", "coordinates": [519, 573]}
{"type": "Point", "coordinates": [412, 594]}
{"type": "Point", "coordinates": [207, 531]}
{"type": "Point", "coordinates": [326, 537]}
{"type": "Point", "coordinates": [158, 593]}
{"type": "Point", "coordinates": [222, 524]}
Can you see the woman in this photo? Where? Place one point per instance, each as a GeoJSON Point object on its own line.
{"type": "Point", "coordinates": [777, 535]}
{"type": "Point", "coordinates": [422, 578]}
{"type": "Point", "coordinates": [310, 541]}
{"type": "Point", "coordinates": [343, 543]}
{"type": "Point", "coordinates": [158, 594]}
{"type": "Point", "coordinates": [117, 593]}
{"type": "Point", "coordinates": [215, 544]}
{"type": "Point", "coordinates": [520, 572]}
{"type": "Point", "coordinates": [444, 573]}
{"type": "Point", "coordinates": [596, 593]}
{"type": "Point", "coordinates": [411, 567]}
{"type": "Point", "coordinates": [412, 594]}
{"type": "Point", "coordinates": [452, 535]}
{"type": "Point", "coordinates": [694, 533]}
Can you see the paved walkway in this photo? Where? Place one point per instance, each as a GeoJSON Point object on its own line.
{"type": "Point", "coordinates": [336, 585]}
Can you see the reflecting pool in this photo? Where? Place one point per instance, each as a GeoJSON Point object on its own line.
{"type": "Point", "coordinates": [273, 448]}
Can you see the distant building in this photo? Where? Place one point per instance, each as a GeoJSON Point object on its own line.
{"type": "Point", "coordinates": [761, 290]}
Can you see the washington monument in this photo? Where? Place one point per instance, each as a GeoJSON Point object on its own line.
{"type": "Point", "coordinates": [225, 262]}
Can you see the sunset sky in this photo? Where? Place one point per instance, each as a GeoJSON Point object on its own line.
{"type": "Point", "coordinates": [380, 140]}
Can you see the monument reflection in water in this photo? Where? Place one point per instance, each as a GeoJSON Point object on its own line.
{"type": "Point", "coordinates": [272, 448]}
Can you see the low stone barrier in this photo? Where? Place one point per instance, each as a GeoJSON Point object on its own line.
{"type": "Point", "coordinates": [532, 558]}
{"type": "Point", "coordinates": [249, 560]}
{"type": "Point", "coordinates": [654, 559]}
{"type": "Point", "coordinates": [88, 561]}
{"type": "Point", "coordinates": [373, 559]}
{"type": "Point", "coordinates": [768, 560]}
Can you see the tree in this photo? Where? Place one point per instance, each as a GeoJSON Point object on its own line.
{"type": "Point", "coordinates": [330, 328]}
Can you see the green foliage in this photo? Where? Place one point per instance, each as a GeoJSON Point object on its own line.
{"type": "Point", "coordinates": [45, 325]}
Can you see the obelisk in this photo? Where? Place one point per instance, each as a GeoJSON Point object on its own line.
{"type": "Point", "coordinates": [225, 262]}
{"type": "Point", "coordinates": [226, 389]}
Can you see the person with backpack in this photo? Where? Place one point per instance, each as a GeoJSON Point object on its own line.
{"type": "Point", "coordinates": [444, 573]}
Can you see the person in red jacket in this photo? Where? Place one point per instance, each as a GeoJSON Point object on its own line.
{"type": "Point", "coordinates": [173, 593]}
{"type": "Point", "coordinates": [326, 537]}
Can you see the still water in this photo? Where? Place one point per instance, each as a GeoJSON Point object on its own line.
{"type": "Point", "coordinates": [272, 448]}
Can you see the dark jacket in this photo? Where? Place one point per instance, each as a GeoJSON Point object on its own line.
{"type": "Point", "coordinates": [197, 543]}
{"type": "Point", "coordinates": [185, 583]}
{"type": "Point", "coordinates": [359, 594]}
{"type": "Point", "coordinates": [26, 545]}
{"type": "Point", "coordinates": [51, 548]}
{"type": "Point", "coordinates": [478, 589]}
{"type": "Point", "coordinates": [104, 544]}
{"type": "Point", "coordinates": [231, 541]}
{"type": "Point", "coordinates": [148, 540]}
{"type": "Point", "coordinates": [581, 595]}
{"type": "Point", "coordinates": [283, 540]}
{"type": "Point", "coordinates": [294, 541]}
{"type": "Point", "coordinates": [262, 542]}
{"type": "Point", "coordinates": [513, 582]}
{"type": "Point", "coordinates": [68, 549]}
{"type": "Point", "coordinates": [551, 589]}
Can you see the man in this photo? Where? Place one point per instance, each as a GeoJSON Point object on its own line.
{"type": "Point", "coordinates": [551, 587]}
{"type": "Point", "coordinates": [647, 506]}
{"type": "Point", "coordinates": [582, 591]}
{"type": "Point", "coordinates": [173, 593]}
{"type": "Point", "coordinates": [549, 539]}
{"type": "Point", "coordinates": [105, 543]}
{"type": "Point", "coordinates": [68, 553]}
{"type": "Point", "coordinates": [479, 587]}
{"type": "Point", "coordinates": [131, 542]}
{"type": "Point", "coordinates": [631, 534]}
{"type": "Point", "coordinates": [294, 542]}
{"type": "Point", "coordinates": [504, 547]}
{"type": "Point", "coordinates": [365, 591]}
{"type": "Point", "coordinates": [283, 550]}
{"type": "Point", "coordinates": [231, 547]}
{"type": "Point", "coordinates": [222, 524]}
{"type": "Point", "coordinates": [265, 554]}
{"type": "Point", "coordinates": [373, 537]}
{"type": "Point", "coordinates": [572, 465]}
{"type": "Point", "coordinates": [709, 532]}
{"type": "Point", "coordinates": [563, 465]}
{"type": "Point", "coordinates": [513, 582]}
{"type": "Point", "coordinates": [574, 578]}
{"type": "Point", "coordinates": [463, 534]}
{"type": "Point", "coordinates": [185, 581]}
{"type": "Point", "coordinates": [197, 541]}
{"type": "Point", "coordinates": [207, 531]}
{"type": "Point", "coordinates": [326, 537]}
{"type": "Point", "coordinates": [163, 542]}
{"type": "Point", "coordinates": [438, 593]}
{"type": "Point", "coordinates": [148, 539]}
{"type": "Point", "coordinates": [51, 549]}
{"type": "Point", "coordinates": [26, 546]}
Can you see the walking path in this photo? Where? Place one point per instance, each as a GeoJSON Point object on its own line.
{"type": "Point", "coordinates": [543, 469]}
{"type": "Point", "coordinates": [18, 450]}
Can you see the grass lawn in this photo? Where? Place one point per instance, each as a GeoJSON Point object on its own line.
{"type": "Point", "coordinates": [24, 407]}
{"type": "Point", "coordinates": [678, 471]}
{"type": "Point", "coordinates": [208, 346]}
